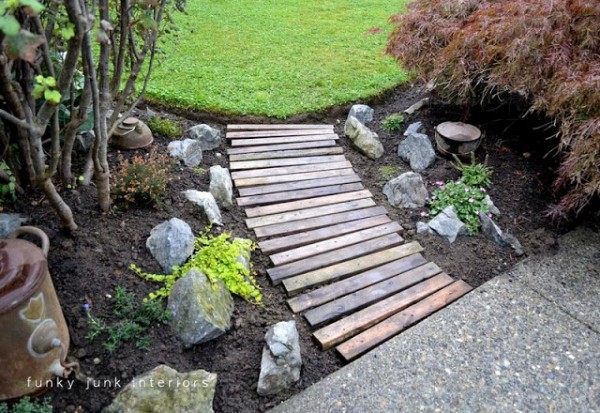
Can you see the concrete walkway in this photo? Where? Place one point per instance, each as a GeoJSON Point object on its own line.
{"type": "Point", "coordinates": [528, 341]}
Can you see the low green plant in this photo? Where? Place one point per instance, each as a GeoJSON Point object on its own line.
{"type": "Point", "coordinates": [27, 405]}
{"type": "Point", "coordinates": [467, 201]}
{"type": "Point", "coordinates": [164, 127]}
{"type": "Point", "coordinates": [7, 189]}
{"type": "Point", "coordinates": [219, 258]}
{"type": "Point", "coordinates": [474, 174]}
{"type": "Point", "coordinates": [393, 122]}
{"type": "Point", "coordinates": [143, 179]}
{"type": "Point", "coordinates": [133, 321]}
{"type": "Point", "coordinates": [387, 172]}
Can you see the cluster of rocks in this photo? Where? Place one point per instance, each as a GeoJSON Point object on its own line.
{"type": "Point", "coordinates": [195, 140]}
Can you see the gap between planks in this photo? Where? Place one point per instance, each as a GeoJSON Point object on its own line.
{"type": "Point", "coordinates": [277, 179]}
{"type": "Point", "coordinates": [294, 186]}
{"type": "Point", "coordinates": [285, 170]}
{"type": "Point", "coordinates": [270, 163]}
{"type": "Point", "coordinates": [277, 126]}
{"type": "Point", "coordinates": [283, 139]}
{"type": "Point", "coordinates": [300, 194]}
{"type": "Point", "coordinates": [292, 153]}
{"type": "Point", "coordinates": [269, 133]}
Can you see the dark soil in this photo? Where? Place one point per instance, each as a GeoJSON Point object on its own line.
{"type": "Point", "coordinates": [87, 266]}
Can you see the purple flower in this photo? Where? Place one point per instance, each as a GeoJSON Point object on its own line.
{"type": "Point", "coordinates": [482, 189]}
{"type": "Point", "coordinates": [490, 215]}
{"type": "Point", "coordinates": [424, 214]}
{"type": "Point", "coordinates": [87, 307]}
{"type": "Point", "coordinates": [471, 200]}
{"type": "Point", "coordinates": [439, 183]}
{"type": "Point", "coordinates": [466, 190]}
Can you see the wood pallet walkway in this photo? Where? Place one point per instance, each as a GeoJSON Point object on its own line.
{"type": "Point", "coordinates": [338, 255]}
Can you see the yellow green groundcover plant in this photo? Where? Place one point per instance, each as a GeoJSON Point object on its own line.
{"type": "Point", "coordinates": [276, 58]}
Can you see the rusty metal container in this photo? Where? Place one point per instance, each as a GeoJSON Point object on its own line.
{"type": "Point", "coordinates": [34, 338]}
{"type": "Point", "coordinates": [132, 133]}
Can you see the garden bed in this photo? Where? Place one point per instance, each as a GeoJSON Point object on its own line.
{"type": "Point", "coordinates": [88, 265]}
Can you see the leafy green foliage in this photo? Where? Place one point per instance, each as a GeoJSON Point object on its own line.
{"type": "Point", "coordinates": [7, 189]}
{"type": "Point", "coordinates": [46, 87]}
{"type": "Point", "coordinates": [218, 258]}
{"type": "Point", "coordinates": [164, 127]}
{"type": "Point", "coordinates": [393, 122]}
{"type": "Point", "coordinates": [474, 174]}
{"type": "Point", "coordinates": [273, 60]}
{"type": "Point", "coordinates": [467, 201]}
{"type": "Point", "coordinates": [545, 52]}
{"type": "Point", "coordinates": [142, 179]}
{"type": "Point", "coordinates": [27, 405]}
{"type": "Point", "coordinates": [133, 321]}
{"type": "Point", "coordinates": [387, 172]}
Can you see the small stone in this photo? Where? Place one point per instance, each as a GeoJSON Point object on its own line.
{"type": "Point", "coordinates": [209, 138]}
{"type": "Point", "coordinates": [84, 140]}
{"type": "Point", "coordinates": [416, 106]}
{"type": "Point", "coordinates": [221, 186]}
{"type": "Point", "coordinates": [206, 201]}
{"type": "Point", "coordinates": [188, 150]}
{"type": "Point", "coordinates": [97, 361]}
{"type": "Point", "coordinates": [423, 228]}
{"type": "Point", "coordinates": [448, 225]}
{"type": "Point", "coordinates": [363, 113]}
{"type": "Point", "coordinates": [363, 138]}
{"type": "Point", "coordinates": [406, 191]}
{"type": "Point", "coordinates": [171, 243]}
{"type": "Point", "coordinates": [80, 353]}
{"type": "Point", "coordinates": [417, 151]}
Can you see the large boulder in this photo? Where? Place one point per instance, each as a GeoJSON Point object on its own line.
{"type": "Point", "coordinates": [417, 151]}
{"type": "Point", "coordinates": [164, 389]}
{"type": "Point", "coordinates": [406, 191]}
{"type": "Point", "coordinates": [200, 309]}
{"type": "Point", "coordinates": [281, 359]}
{"type": "Point", "coordinates": [10, 222]}
{"type": "Point", "coordinates": [448, 225]}
{"type": "Point", "coordinates": [221, 186]}
{"type": "Point", "coordinates": [363, 113]}
{"type": "Point", "coordinates": [206, 201]}
{"type": "Point", "coordinates": [171, 243]}
{"type": "Point", "coordinates": [188, 150]}
{"type": "Point", "coordinates": [209, 138]}
{"type": "Point", "coordinates": [363, 138]}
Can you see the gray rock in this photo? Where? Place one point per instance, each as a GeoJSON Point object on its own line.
{"type": "Point", "coordinates": [447, 224]}
{"type": "Point", "coordinates": [164, 389]}
{"type": "Point", "coordinates": [209, 138]}
{"type": "Point", "coordinates": [171, 243]}
{"type": "Point", "coordinates": [206, 201]}
{"type": "Point", "coordinates": [281, 359]}
{"type": "Point", "coordinates": [84, 141]}
{"type": "Point", "coordinates": [221, 186]}
{"type": "Point", "coordinates": [10, 222]}
{"type": "Point", "coordinates": [406, 191]}
{"type": "Point", "coordinates": [201, 310]}
{"type": "Point", "coordinates": [363, 138]}
{"type": "Point", "coordinates": [363, 113]}
{"type": "Point", "coordinates": [188, 150]}
{"type": "Point", "coordinates": [492, 231]}
{"type": "Point", "coordinates": [417, 151]}
{"type": "Point", "coordinates": [416, 106]}
{"type": "Point", "coordinates": [491, 207]}
{"type": "Point", "coordinates": [413, 128]}
{"type": "Point", "coordinates": [423, 228]}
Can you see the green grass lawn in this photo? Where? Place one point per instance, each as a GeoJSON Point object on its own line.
{"type": "Point", "coordinates": [276, 58]}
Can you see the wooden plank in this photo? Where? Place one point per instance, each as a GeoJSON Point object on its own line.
{"type": "Point", "coordinates": [292, 182]}
{"type": "Point", "coordinates": [301, 282]}
{"type": "Point", "coordinates": [284, 139]}
{"type": "Point", "coordinates": [322, 260]}
{"type": "Point", "coordinates": [292, 153]}
{"type": "Point", "coordinates": [399, 322]}
{"type": "Point", "coordinates": [284, 170]}
{"type": "Point", "coordinates": [238, 127]}
{"type": "Point", "coordinates": [334, 243]}
{"type": "Point", "coordinates": [317, 222]}
{"type": "Point", "coordinates": [282, 147]}
{"type": "Point", "coordinates": [268, 133]}
{"type": "Point", "coordinates": [367, 296]}
{"type": "Point", "coordinates": [362, 280]}
{"type": "Point", "coordinates": [324, 210]}
{"type": "Point", "coordinates": [303, 238]}
{"type": "Point", "coordinates": [353, 324]}
{"type": "Point", "coordinates": [268, 163]}
{"type": "Point", "coordinates": [301, 194]}
{"type": "Point", "coordinates": [307, 203]}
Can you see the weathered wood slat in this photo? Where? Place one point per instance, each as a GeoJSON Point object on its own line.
{"type": "Point", "coordinates": [267, 133]}
{"type": "Point", "coordinates": [282, 147]}
{"type": "Point", "coordinates": [284, 139]}
{"type": "Point", "coordinates": [334, 243]}
{"type": "Point", "coordinates": [307, 203]}
{"type": "Point", "coordinates": [285, 170]}
{"type": "Point", "coordinates": [353, 324]}
{"type": "Point", "coordinates": [334, 272]}
{"type": "Point", "coordinates": [292, 153]}
{"type": "Point", "coordinates": [322, 260]}
{"type": "Point", "coordinates": [289, 241]}
{"type": "Point", "coordinates": [294, 186]}
{"type": "Point", "coordinates": [370, 295]}
{"type": "Point", "coordinates": [268, 163]}
{"type": "Point", "coordinates": [324, 210]}
{"type": "Point", "coordinates": [349, 285]}
{"type": "Point", "coordinates": [300, 194]}
{"type": "Point", "coordinates": [399, 322]}
{"type": "Point", "coordinates": [277, 179]}
{"type": "Point", "coordinates": [311, 223]}
{"type": "Point", "coordinates": [249, 127]}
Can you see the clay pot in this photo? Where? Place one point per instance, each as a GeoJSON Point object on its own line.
{"type": "Point", "coordinates": [457, 138]}
{"type": "Point", "coordinates": [132, 133]}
